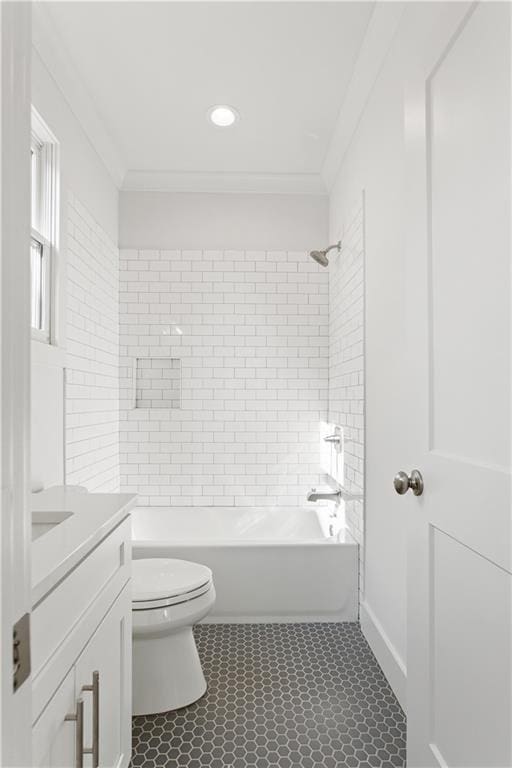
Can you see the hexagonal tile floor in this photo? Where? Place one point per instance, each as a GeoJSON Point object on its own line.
{"type": "Point", "coordinates": [280, 696]}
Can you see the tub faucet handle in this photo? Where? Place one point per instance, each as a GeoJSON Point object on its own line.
{"type": "Point", "coordinates": [336, 440]}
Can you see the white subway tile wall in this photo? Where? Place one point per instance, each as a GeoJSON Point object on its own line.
{"type": "Point", "coordinates": [92, 354]}
{"type": "Point", "coordinates": [251, 331]}
{"type": "Point", "coordinates": [346, 365]}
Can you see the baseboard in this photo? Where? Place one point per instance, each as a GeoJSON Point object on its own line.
{"type": "Point", "coordinates": [386, 654]}
{"type": "Point", "coordinates": [125, 759]}
{"type": "Point", "coordinates": [284, 619]}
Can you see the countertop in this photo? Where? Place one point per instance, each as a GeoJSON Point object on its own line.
{"type": "Point", "coordinates": [57, 551]}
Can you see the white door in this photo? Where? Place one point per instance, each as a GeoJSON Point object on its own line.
{"type": "Point", "coordinates": [458, 253]}
{"type": "Point", "coordinates": [15, 706]}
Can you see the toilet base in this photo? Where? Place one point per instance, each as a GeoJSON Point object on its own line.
{"type": "Point", "coordinates": [167, 672]}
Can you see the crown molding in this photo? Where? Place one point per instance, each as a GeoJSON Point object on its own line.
{"type": "Point", "coordinates": [263, 183]}
{"type": "Point", "coordinates": [52, 51]}
{"type": "Point", "coordinates": [380, 32]}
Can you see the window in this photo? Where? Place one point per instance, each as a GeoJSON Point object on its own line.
{"type": "Point", "coordinates": [43, 153]}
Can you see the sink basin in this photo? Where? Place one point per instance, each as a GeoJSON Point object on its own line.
{"type": "Point", "coordinates": [42, 522]}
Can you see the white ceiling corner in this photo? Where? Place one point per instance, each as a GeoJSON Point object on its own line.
{"type": "Point", "coordinates": [381, 29]}
{"type": "Point", "coordinates": [53, 52]}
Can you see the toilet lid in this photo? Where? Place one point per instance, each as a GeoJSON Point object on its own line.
{"type": "Point", "coordinates": [157, 578]}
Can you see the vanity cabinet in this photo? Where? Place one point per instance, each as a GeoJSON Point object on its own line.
{"type": "Point", "coordinates": [81, 640]}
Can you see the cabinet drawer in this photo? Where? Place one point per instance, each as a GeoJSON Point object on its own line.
{"type": "Point", "coordinates": [59, 612]}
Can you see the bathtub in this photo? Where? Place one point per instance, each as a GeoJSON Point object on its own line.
{"type": "Point", "coordinates": [279, 565]}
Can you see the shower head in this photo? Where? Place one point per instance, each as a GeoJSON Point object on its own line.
{"type": "Point", "coordinates": [321, 256]}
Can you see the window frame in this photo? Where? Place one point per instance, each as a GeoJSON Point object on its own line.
{"type": "Point", "coordinates": [44, 223]}
{"type": "Point", "coordinates": [42, 333]}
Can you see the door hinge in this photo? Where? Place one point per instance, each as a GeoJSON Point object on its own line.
{"type": "Point", "coordinates": [20, 651]}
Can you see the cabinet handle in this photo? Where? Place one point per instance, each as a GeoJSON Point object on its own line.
{"type": "Point", "coordinates": [95, 690]}
{"type": "Point", "coordinates": [78, 718]}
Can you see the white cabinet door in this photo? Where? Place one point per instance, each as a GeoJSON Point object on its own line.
{"type": "Point", "coordinates": [459, 576]}
{"type": "Point", "coordinates": [54, 737]}
{"type": "Point", "coordinates": [109, 653]}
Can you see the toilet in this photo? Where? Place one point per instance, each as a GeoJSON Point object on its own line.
{"type": "Point", "coordinates": [168, 598]}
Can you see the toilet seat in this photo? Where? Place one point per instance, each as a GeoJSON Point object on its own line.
{"type": "Point", "coordinates": [161, 582]}
{"type": "Point", "coordinates": [166, 602]}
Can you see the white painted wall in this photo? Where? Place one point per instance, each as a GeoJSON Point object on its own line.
{"type": "Point", "coordinates": [259, 222]}
{"type": "Point", "coordinates": [82, 171]}
{"type": "Point", "coordinates": [374, 163]}
{"type": "Point", "coordinates": [83, 176]}
{"type": "Point", "coordinates": [47, 418]}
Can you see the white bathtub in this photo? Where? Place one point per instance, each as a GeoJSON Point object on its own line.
{"type": "Point", "coordinates": [279, 565]}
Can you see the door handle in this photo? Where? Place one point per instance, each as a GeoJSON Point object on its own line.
{"type": "Point", "coordinates": [95, 690]}
{"type": "Point", "coordinates": [78, 718]}
{"type": "Point", "coordinates": [403, 482]}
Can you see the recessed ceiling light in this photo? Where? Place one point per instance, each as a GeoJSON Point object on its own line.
{"type": "Point", "coordinates": [222, 115]}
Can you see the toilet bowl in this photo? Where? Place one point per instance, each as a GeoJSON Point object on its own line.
{"type": "Point", "coordinates": [168, 598]}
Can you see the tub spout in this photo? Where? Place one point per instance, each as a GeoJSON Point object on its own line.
{"type": "Point", "coordinates": [315, 495]}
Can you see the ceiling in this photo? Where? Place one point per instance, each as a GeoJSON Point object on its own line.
{"type": "Point", "coordinates": [152, 70]}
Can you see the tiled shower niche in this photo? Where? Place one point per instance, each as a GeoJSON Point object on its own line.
{"type": "Point", "coordinates": [157, 382]}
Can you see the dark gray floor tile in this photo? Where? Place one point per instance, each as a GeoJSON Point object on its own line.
{"type": "Point", "coordinates": [280, 696]}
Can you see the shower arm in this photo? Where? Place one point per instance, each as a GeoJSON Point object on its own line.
{"type": "Point", "coordinates": [332, 247]}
